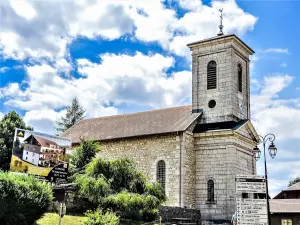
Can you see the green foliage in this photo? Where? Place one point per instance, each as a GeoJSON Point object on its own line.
{"type": "Point", "coordinates": [133, 206]}
{"type": "Point", "coordinates": [116, 185]}
{"type": "Point", "coordinates": [99, 218]}
{"type": "Point", "coordinates": [74, 114]}
{"type": "Point", "coordinates": [121, 173]}
{"type": "Point", "coordinates": [8, 124]}
{"type": "Point", "coordinates": [297, 180]}
{"type": "Point", "coordinates": [23, 199]}
{"type": "Point", "coordinates": [93, 189]}
{"type": "Point", "coordinates": [83, 154]}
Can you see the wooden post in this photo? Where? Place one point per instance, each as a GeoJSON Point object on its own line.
{"type": "Point", "coordinates": [160, 220]}
{"type": "Point", "coordinates": [60, 212]}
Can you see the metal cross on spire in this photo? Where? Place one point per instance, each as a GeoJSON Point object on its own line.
{"type": "Point", "coordinates": [221, 23]}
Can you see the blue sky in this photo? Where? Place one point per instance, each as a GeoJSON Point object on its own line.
{"type": "Point", "coordinates": [127, 56]}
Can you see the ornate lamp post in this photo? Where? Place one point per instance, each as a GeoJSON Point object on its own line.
{"type": "Point", "coordinates": [272, 151]}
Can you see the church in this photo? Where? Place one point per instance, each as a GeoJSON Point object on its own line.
{"type": "Point", "coordinates": [194, 151]}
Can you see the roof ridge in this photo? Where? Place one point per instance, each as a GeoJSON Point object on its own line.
{"type": "Point", "coordinates": [134, 113]}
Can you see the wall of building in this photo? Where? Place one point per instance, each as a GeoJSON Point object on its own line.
{"type": "Point", "coordinates": [31, 154]}
{"type": "Point", "coordinates": [146, 152]}
{"type": "Point", "coordinates": [188, 171]}
{"type": "Point", "coordinates": [220, 155]}
{"type": "Point", "coordinates": [278, 217]}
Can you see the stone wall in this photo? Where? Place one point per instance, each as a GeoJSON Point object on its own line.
{"type": "Point", "coordinates": [169, 213]}
{"type": "Point", "coordinates": [188, 171]}
{"type": "Point", "coordinates": [220, 155]}
{"type": "Point", "coordinates": [146, 152]}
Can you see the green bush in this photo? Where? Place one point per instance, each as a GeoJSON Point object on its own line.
{"type": "Point", "coordinates": [133, 206]}
{"type": "Point", "coordinates": [99, 218]}
{"type": "Point", "coordinates": [83, 154]}
{"type": "Point", "coordinates": [23, 199]}
{"type": "Point", "coordinates": [121, 174]}
{"type": "Point", "coordinates": [118, 186]}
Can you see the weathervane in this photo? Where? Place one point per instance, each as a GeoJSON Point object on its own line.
{"type": "Point", "coordinates": [221, 23]}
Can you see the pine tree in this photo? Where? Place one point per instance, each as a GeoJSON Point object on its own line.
{"type": "Point", "coordinates": [74, 114]}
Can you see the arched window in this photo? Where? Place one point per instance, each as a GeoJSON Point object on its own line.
{"type": "Point", "coordinates": [211, 75]}
{"type": "Point", "coordinates": [240, 77]}
{"type": "Point", "coordinates": [161, 173]}
{"type": "Point", "coordinates": [210, 191]}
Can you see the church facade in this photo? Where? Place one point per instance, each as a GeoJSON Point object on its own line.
{"type": "Point", "coordinates": [194, 151]}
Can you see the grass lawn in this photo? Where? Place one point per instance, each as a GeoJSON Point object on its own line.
{"type": "Point", "coordinates": [52, 219]}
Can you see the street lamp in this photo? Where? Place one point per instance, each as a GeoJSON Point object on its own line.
{"type": "Point", "coordinates": [272, 151]}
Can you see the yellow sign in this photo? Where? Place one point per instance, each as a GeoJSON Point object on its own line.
{"type": "Point", "coordinates": [20, 133]}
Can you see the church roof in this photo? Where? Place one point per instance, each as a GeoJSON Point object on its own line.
{"type": "Point", "coordinates": [219, 38]}
{"type": "Point", "coordinates": [151, 122]}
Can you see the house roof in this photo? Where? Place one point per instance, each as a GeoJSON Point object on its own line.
{"type": "Point", "coordinates": [285, 205]}
{"type": "Point", "coordinates": [44, 142]}
{"type": "Point", "coordinates": [294, 187]}
{"type": "Point", "coordinates": [152, 122]}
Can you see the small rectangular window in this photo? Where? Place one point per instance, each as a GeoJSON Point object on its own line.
{"type": "Point", "coordinates": [286, 222]}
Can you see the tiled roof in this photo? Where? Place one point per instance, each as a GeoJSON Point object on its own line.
{"type": "Point", "coordinates": [44, 142]}
{"type": "Point", "coordinates": [135, 124]}
{"type": "Point", "coordinates": [294, 187]}
{"type": "Point", "coordinates": [285, 205]}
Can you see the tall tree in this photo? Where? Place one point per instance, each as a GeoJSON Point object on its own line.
{"type": "Point", "coordinates": [74, 114]}
{"type": "Point", "coordinates": [8, 124]}
{"type": "Point", "coordinates": [297, 180]}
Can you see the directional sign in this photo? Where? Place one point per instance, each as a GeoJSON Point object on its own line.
{"type": "Point", "coordinates": [251, 187]}
{"type": "Point", "coordinates": [251, 211]}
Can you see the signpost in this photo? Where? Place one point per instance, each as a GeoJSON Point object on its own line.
{"type": "Point", "coordinates": [251, 210]}
{"type": "Point", "coordinates": [41, 155]}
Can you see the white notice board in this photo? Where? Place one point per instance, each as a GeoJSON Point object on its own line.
{"type": "Point", "coordinates": [251, 211]}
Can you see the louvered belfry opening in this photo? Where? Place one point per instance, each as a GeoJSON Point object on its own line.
{"type": "Point", "coordinates": [161, 173]}
{"type": "Point", "coordinates": [212, 75]}
{"type": "Point", "coordinates": [210, 191]}
{"type": "Point", "coordinates": [240, 77]}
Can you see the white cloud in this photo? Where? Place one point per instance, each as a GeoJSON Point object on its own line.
{"type": "Point", "coordinates": [24, 26]}
{"type": "Point", "coordinates": [272, 114]}
{"type": "Point", "coordinates": [3, 69]}
{"type": "Point", "coordinates": [23, 9]}
{"type": "Point", "coordinates": [43, 120]}
{"type": "Point", "coordinates": [203, 22]}
{"type": "Point", "coordinates": [283, 65]}
{"type": "Point", "coordinates": [138, 79]}
{"type": "Point", "coordinates": [276, 50]}
{"type": "Point", "coordinates": [1, 115]}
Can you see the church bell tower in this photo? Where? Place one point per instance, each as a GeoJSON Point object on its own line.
{"type": "Point", "coordinates": [220, 79]}
{"type": "Point", "coordinates": [224, 136]}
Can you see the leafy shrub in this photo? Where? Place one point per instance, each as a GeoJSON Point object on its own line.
{"type": "Point", "coordinates": [23, 199]}
{"type": "Point", "coordinates": [118, 186]}
{"type": "Point", "coordinates": [83, 154]}
{"type": "Point", "coordinates": [92, 188]}
{"type": "Point", "coordinates": [133, 206]}
{"type": "Point", "coordinates": [99, 218]}
{"type": "Point", "coordinates": [121, 173]}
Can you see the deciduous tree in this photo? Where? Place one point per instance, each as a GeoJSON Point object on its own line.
{"type": "Point", "coordinates": [8, 124]}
